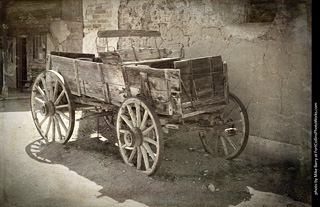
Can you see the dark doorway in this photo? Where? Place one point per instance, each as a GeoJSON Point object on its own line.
{"type": "Point", "coordinates": [21, 62]}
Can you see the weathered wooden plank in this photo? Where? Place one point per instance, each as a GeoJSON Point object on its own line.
{"type": "Point", "coordinates": [89, 71]}
{"type": "Point", "coordinates": [128, 33]}
{"type": "Point", "coordinates": [139, 54]}
{"type": "Point", "coordinates": [73, 55]}
{"type": "Point", "coordinates": [216, 63]}
{"type": "Point", "coordinates": [117, 94]}
{"type": "Point", "coordinates": [104, 85]}
{"type": "Point", "coordinates": [204, 83]}
{"type": "Point", "coordinates": [144, 84]}
{"type": "Point", "coordinates": [75, 66]}
{"type": "Point", "coordinates": [65, 66]}
{"type": "Point", "coordinates": [113, 74]}
{"type": "Point", "coordinates": [94, 90]}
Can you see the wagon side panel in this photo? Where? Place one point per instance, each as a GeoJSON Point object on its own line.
{"type": "Point", "coordinates": [65, 66]}
{"type": "Point", "coordinates": [90, 80]}
{"type": "Point", "coordinates": [114, 83]}
{"type": "Point", "coordinates": [157, 85]}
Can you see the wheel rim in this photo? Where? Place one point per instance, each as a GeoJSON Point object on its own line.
{"type": "Point", "coordinates": [139, 135]}
{"type": "Point", "coordinates": [233, 131]}
{"type": "Point", "coordinates": [52, 108]}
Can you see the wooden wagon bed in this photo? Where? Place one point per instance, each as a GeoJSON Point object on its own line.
{"type": "Point", "coordinates": [143, 90]}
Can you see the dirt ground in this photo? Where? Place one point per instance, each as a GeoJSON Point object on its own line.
{"type": "Point", "coordinates": [188, 176]}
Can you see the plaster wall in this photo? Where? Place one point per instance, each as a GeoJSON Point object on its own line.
{"type": "Point", "coordinates": [268, 63]}
{"type": "Point", "coordinates": [32, 18]}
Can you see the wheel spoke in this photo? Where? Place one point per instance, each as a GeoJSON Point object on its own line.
{"type": "Point", "coordinates": [41, 93]}
{"type": "Point", "coordinates": [58, 127]}
{"type": "Point", "coordinates": [127, 121]}
{"type": "Point", "coordinates": [234, 146]}
{"type": "Point", "coordinates": [55, 90]}
{"type": "Point", "coordinates": [53, 130]}
{"type": "Point", "coordinates": [151, 141]}
{"type": "Point", "coordinates": [149, 150]}
{"type": "Point", "coordinates": [235, 121]}
{"type": "Point", "coordinates": [48, 127]}
{"type": "Point", "coordinates": [139, 158]}
{"type": "Point", "coordinates": [225, 149]}
{"type": "Point", "coordinates": [144, 120]}
{"type": "Point", "coordinates": [138, 115]}
{"type": "Point", "coordinates": [123, 131]}
{"type": "Point", "coordinates": [145, 157]}
{"type": "Point", "coordinates": [226, 116]}
{"type": "Point", "coordinates": [62, 106]}
{"type": "Point", "coordinates": [43, 120]}
{"type": "Point", "coordinates": [39, 100]}
{"type": "Point", "coordinates": [146, 131]}
{"type": "Point", "coordinates": [134, 151]}
{"type": "Point", "coordinates": [59, 98]}
{"type": "Point", "coordinates": [62, 123]}
{"type": "Point", "coordinates": [62, 115]}
{"type": "Point", "coordinates": [132, 116]}
{"type": "Point", "coordinates": [45, 88]}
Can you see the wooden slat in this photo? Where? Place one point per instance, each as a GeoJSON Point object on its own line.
{"type": "Point", "coordinates": [65, 66]}
{"type": "Point", "coordinates": [140, 54]}
{"type": "Point", "coordinates": [73, 55]}
{"type": "Point", "coordinates": [205, 84]}
{"type": "Point", "coordinates": [128, 33]}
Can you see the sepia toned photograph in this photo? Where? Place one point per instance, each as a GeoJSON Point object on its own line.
{"type": "Point", "coordinates": [154, 103]}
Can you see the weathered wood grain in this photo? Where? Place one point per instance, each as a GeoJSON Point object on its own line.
{"type": "Point", "coordinates": [128, 33]}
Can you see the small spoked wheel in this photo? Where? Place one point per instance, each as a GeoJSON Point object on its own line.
{"type": "Point", "coordinates": [52, 108]}
{"type": "Point", "coordinates": [140, 137]}
{"type": "Point", "coordinates": [232, 131]}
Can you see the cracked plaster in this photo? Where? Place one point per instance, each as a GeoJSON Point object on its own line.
{"type": "Point", "coordinates": [268, 63]}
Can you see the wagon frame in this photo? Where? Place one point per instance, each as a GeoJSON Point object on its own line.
{"type": "Point", "coordinates": [147, 91]}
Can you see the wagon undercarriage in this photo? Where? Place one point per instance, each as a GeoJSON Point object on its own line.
{"type": "Point", "coordinates": [141, 93]}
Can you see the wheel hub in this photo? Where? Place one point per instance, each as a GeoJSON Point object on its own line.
{"type": "Point", "coordinates": [47, 109]}
{"type": "Point", "coordinates": [133, 138]}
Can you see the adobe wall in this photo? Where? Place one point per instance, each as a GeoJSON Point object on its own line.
{"type": "Point", "coordinates": [269, 63]}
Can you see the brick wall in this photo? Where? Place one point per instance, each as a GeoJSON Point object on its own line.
{"type": "Point", "coordinates": [98, 15]}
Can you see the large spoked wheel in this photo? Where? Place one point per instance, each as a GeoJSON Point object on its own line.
{"type": "Point", "coordinates": [52, 108]}
{"type": "Point", "coordinates": [140, 136]}
{"type": "Point", "coordinates": [232, 132]}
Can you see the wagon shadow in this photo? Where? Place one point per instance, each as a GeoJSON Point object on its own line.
{"type": "Point", "coordinates": [182, 180]}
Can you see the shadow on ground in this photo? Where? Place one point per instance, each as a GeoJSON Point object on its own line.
{"type": "Point", "coordinates": [187, 177]}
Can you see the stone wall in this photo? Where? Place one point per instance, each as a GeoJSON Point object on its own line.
{"type": "Point", "coordinates": [269, 63]}
{"type": "Point", "coordinates": [60, 22]}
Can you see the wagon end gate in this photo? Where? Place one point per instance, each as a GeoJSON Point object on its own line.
{"type": "Point", "coordinates": [204, 83]}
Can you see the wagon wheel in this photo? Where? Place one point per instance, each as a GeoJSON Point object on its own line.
{"type": "Point", "coordinates": [52, 108]}
{"type": "Point", "coordinates": [140, 136]}
{"type": "Point", "coordinates": [232, 133]}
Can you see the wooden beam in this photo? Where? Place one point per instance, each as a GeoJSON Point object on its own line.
{"type": "Point", "coordinates": [128, 33]}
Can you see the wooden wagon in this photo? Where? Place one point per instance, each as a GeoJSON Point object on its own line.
{"type": "Point", "coordinates": [146, 90]}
